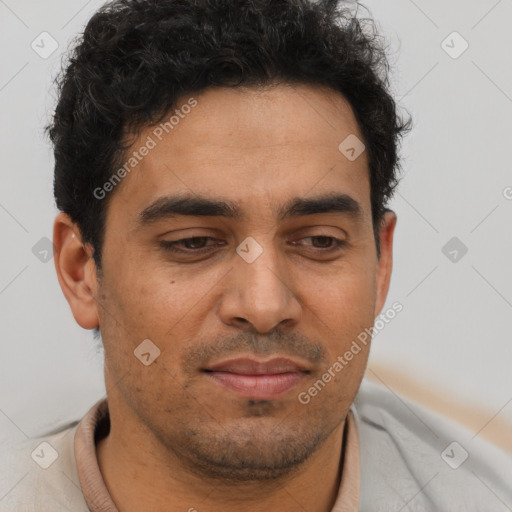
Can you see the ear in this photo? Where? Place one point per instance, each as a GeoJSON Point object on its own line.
{"type": "Point", "coordinates": [385, 262]}
{"type": "Point", "coordinates": [76, 271]}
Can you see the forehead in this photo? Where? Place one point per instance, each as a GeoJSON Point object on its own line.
{"type": "Point", "coordinates": [252, 145]}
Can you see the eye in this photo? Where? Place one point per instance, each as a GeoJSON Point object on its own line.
{"type": "Point", "coordinates": [324, 243]}
{"type": "Point", "coordinates": [193, 245]}
{"type": "Point", "coordinates": [320, 247]}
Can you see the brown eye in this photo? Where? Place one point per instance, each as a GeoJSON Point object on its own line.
{"type": "Point", "coordinates": [321, 247]}
{"type": "Point", "coordinates": [193, 245]}
{"type": "Point", "coordinates": [323, 242]}
{"type": "Point", "coordinates": [197, 242]}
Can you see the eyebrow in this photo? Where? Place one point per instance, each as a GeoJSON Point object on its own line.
{"type": "Point", "coordinates": [327, 203]}
{"type": "Point", "coordinates": [195, 206]}
{"type": "Point", "coordinates": [198, 206]}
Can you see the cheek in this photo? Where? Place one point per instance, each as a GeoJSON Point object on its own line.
{"type": "Point", "coordinates": [162, 302]}
{"type": "Point", "coordinates": [342, 307]}
{"type": "Point", "coordinates": [343, 298]}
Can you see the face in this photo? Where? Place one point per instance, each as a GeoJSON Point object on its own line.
{"type": "Point", "coordinates": [242, 246]}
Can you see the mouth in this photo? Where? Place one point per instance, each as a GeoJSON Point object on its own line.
{"type": "Point", "coordinates": [257, 379]}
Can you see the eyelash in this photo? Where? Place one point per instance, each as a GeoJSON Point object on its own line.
{"type": "Point", "coordinates": [173, 246]}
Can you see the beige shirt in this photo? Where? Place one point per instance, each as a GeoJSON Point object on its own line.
{"type": "Point", "coordinates": [98, 498]}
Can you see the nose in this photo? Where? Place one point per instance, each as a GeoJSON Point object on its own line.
{"type": "Point", "coordinates": [260, 295]}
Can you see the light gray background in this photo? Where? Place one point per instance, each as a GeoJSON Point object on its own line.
{"type": "Point", "coordinates": [453, 335]}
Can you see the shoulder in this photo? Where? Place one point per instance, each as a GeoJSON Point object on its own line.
{"type": "Point", "coordinates": [40, 474]}
{"type": "Point", "coordinates": [415, 460]}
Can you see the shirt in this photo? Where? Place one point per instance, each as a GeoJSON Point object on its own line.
{"type": "Point", "coordinates": [398, 456]}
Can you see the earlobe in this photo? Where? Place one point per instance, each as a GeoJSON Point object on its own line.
{"type": "Point", "coordinates": [76, 271]}
{"type": "Point", "coordinates": [385, 262]}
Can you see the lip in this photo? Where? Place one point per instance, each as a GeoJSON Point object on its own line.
{"type": "Point", "coordinates": [252, 378]}
{"type": "Point", "coordinates": [250, 366]}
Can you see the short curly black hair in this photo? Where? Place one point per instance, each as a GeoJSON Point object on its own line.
{"type": "Point", "coordinates": [137, 58]}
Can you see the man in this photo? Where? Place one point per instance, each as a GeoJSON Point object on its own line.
{"type": "Point", "coordinates": [222, 170]}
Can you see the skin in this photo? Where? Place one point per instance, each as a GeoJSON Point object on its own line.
{"type": "Point", "coordinates": [177, 439]}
